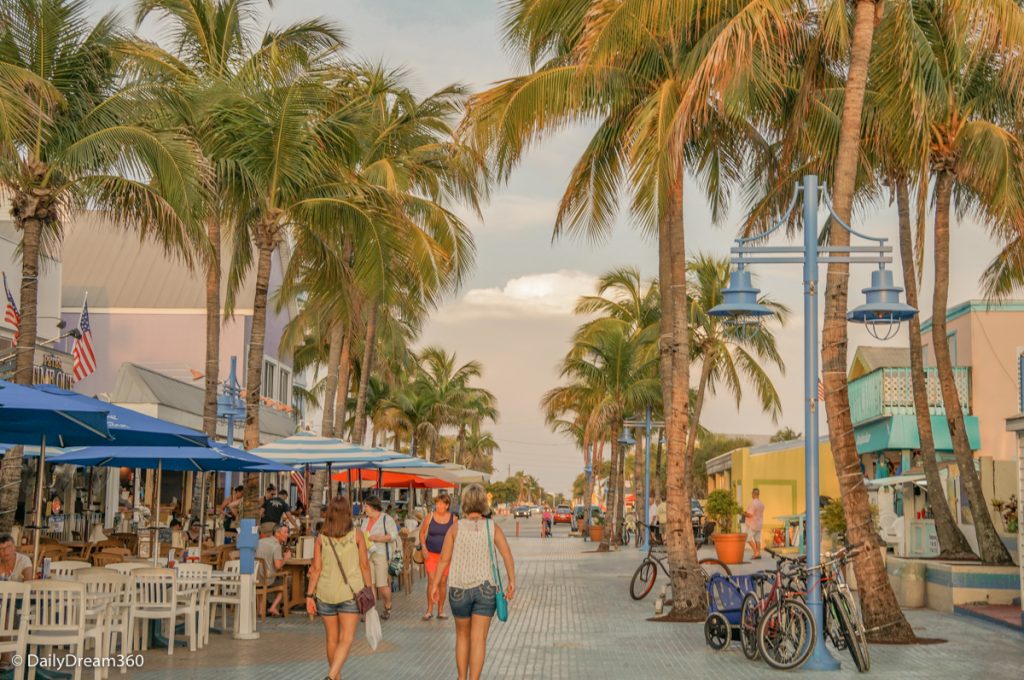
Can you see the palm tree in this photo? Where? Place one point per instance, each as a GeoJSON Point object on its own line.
{"type": "Point", "coordinates": [967, 138]}
{"type": "Point", "coordinates": [478, 451]}
{"type": "Point", "coordinates": [728, 354]}
{"type": "Point", "coordinates": [76, 135]}
{"type": "Point", "coordinates": [455, 401]}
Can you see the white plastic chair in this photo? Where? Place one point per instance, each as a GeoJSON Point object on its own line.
{"type": "Point", "coordinates": [56, 618]}
{"type": "Point", "coordinates": [194, 598]}
{"type": "Point", "coordinates": [126, 568]}
{"type": "Point", "coordinates": [156, 600]}
{"type": "Point", "coordinates": [65, 569]}
{"type": "Point", "coordinates": [110, 595]}
{"type": "Point", "coordinates": [13, 622]}
{"type": "Point", "coordinates": [225, 592]}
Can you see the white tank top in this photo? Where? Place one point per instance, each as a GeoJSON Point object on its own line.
{"type": "Point", "coordinates": [471, 555]}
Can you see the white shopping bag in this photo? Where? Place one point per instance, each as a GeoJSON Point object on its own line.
{"type": "Point", "coordinates": [374, 634]}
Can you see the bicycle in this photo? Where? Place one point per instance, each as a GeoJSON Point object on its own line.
{"type": "Point", "coordinates": [842, 622]}
{"type": "Point", "coordinates": [773, 625]}
{"type": "Point", "coordinates": [630, 531]}
{"type": "Point", "coordinates": [647, 573]}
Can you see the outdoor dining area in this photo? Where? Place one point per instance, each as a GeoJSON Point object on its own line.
{"type": "Point", "coordinates": [111, 583]}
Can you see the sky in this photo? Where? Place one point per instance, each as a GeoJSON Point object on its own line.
{"type": "Point", "coordinates": [514, 311]}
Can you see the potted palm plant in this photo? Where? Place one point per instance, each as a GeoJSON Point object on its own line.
{"type": "Point", "coordinates": [596, 528]}
{"type": "Point", "coordinates": [722, 508]}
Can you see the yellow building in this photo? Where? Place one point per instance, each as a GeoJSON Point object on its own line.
{"type": "Point", "coordinates": [778, 471]}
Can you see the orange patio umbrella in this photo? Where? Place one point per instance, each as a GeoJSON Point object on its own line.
{"type": "Point", "coordinates": [391, 480]}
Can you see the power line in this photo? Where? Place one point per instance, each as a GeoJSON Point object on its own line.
{"type": "Point", "coordinates": [513, 441]}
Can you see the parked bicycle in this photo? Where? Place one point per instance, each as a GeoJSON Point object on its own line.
{"type": "Point", "coordinates": [647, 573]}
{"type": "Point", "coordinates": [773, 625]}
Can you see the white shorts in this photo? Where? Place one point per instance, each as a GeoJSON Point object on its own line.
{"type": "Point", "coordinates": [754, 534]}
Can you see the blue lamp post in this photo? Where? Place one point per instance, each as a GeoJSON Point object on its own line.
{"type": "Point", "coordinates": [882, 314]}
{"type": "Point", "coordinates": [625, 441]}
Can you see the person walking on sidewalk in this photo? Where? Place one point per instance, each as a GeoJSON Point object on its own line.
{"type": "Point", "coordinates": [382, 532]}
{"type": "Point", "coordinates": [754, 515]}
{"type": "Point", "coordinates": [340, 569]}
{"type": "Point", "coordinates": [432, 535]}
{"type": "Point", "coordinates": [472, 592]}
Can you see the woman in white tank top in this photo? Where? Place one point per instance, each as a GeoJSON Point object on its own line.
{"type": "Point", "coordinates": [471, 584]}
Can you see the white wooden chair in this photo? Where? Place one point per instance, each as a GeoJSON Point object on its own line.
{"type": "Point", "coordinates": [156, 598]}
{"type": "Point", "coordinates": [126, 568]}
{"type": "Point", "coordinates": [65, 569]}
{"type": "Point", "coordinates": [225, 593]}
{"type": "Point", "coordinates": [194, 598]}
{"type": "Point", "coordinates": [108, 595]}
{"type": "Point", "coordinates": [13, 622]}
{"type": "Point", "coordinates": [56, 618]}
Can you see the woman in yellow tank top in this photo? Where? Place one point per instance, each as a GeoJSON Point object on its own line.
{"type": "Point", "coordinates": [339, 570]}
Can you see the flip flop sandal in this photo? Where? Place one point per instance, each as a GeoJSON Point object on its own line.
{"type": "Point", "coordinates": [427, 617]}
{"type": "Point", "coordinates": [443, 617]}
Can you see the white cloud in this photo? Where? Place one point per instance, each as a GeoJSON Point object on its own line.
{"type": "Point", "coordinates": [536, 295]}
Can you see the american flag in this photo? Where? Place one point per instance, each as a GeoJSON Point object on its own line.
{"type": "Point", "coordinates": [300, 485]}
{"type": "Point", "coordinates": [821, 390]}
{"type": "Point", "coordinates": [85, 360]}
{"type": "Point", "coordinates": [11, 315]}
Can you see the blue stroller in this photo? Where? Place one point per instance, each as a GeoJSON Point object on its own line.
{"type": "Point", "coordinates": [725, 602]}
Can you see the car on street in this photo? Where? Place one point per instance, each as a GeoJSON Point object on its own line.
{"type": "Point", "coordinates": [521, 511]}
{"type": "Point", "coordinates": [563, 514]}
{"type": "Point", "coordinates": [534, 509]}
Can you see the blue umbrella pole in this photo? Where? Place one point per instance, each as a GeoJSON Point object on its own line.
{"type": "Point", "coordinates": [39, 504]}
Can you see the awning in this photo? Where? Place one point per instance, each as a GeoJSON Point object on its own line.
{"type": "Point", "coordinates": [309, 449]}
{"type": "Point", "coordinates": [899, 433]}
{"type": "Point", "coordinates": [391, 480]}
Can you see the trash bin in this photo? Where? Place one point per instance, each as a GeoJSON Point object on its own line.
{"type": "Point", "coordinates": [912, 583]}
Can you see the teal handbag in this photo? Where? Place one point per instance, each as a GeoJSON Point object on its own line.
{"type": "Point", "coordinates": [501, 604]}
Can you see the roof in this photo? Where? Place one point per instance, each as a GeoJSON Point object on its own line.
{"type": "Point", "coordinates": [783, 446]}
{"type": "Point", "coordinates": [869, 359]}
{"type": "Point", "coordinates": [140, 385]}
{"type": "Point", "coordinates": [120, 271]}
{"type": "Point", "coordinates": [977, 306]}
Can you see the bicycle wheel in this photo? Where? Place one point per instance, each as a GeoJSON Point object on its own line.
{"type": "Point", "coordinates": [749, 613]}
{"type": "Point", "coordinates": [709, 565]}
{"type": "Point", "coordinates": [716, 631]}
{"type": "Point", "coordinates": [852, 630]}
{"type": "Point", "coordinates": [643, 580]}
{"type": "Point", "coordinates": [627, 536]}
{"type": "Point", "coordinates": [785, 635]}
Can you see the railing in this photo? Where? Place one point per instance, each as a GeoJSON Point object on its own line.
{"type": "Point", "coordinates": [890, 391]}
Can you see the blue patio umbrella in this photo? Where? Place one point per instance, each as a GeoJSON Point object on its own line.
{"type": "Point", "coordinates": [131, 428]}
{"type": "Point", "coordinates": [28, 416]}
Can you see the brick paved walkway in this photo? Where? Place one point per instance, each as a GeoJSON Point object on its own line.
{"type": "Point", "coordinates": [572, 618]}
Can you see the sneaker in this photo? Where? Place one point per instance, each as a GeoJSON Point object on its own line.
{"type": "Point", "coordinates": [386, 614]}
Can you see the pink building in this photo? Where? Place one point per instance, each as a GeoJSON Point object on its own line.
{"type": "Point", "coordinates": [148, 317]}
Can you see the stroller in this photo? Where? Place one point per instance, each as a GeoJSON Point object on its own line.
{"type": "Point", "coordinates": [725, 603]}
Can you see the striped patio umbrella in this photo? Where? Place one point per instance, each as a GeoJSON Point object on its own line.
{"type": "Point", "coordinates": [310, 449]}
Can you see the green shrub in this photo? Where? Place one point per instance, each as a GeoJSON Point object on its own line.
{"type": "Point", "coordinates": [721, 506]}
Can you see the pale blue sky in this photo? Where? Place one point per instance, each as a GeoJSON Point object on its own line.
{"type": "Point", "coordinates": [519, 330]}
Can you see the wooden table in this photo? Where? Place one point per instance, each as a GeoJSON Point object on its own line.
{"type": "Point", "coordinates": [77, 547]}
{"type": "Point", "coordinates": [297, 568]}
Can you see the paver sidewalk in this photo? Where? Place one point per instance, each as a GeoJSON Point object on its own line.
{"type": "Point", "coordinates": [572, 618]}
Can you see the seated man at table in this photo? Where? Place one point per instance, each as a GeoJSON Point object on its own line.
{"type": "Point", "coordinates": [270, 549]}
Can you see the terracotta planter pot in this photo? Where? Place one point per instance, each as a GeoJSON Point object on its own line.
{"type": "Point", "coordinates": [596, 533]}
{"type": "Point", "coordinates": [729, 547]}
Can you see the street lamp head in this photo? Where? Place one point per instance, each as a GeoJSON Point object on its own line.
{"type": "Point", "coordinates": [627, 438]}
{"type": "Point", "coordinates": [740, 307]}
{"type": "Point", "coordinates": [883, 312]}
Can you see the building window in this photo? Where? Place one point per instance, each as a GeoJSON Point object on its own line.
{"type": "Point", "coordinates": [286, 386]}
{"type": "Point", "coordinates": [267, 384]}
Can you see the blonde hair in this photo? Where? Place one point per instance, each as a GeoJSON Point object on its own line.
{"type": "Point", "coordinates": [474, 499]}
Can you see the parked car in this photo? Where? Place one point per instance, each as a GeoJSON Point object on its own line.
{"type": "Point", "coordinates": [563, 514]}
{"type": "Point", "coordinates": [521, 511]}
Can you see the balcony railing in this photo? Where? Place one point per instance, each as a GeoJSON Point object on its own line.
{"type": "Point", "coordinates": [890, 391]}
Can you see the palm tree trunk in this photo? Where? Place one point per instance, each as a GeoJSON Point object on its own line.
{"type": "Point", "coordinates": [359, 433]}
{"type": "Point", "coordinates": [30, 210]}
{"type": "Point", "coordinates": [882, 613]}
{"type": "Point", "coordinates": [688, 592]}
{"type": "Point", "coordinates": [254, 369]}
{"type": "Point", "coordinates": [989, 544]}
{"type": "Point", "coordinates": [611, 501]}
{"type": "Point", "coordinates": [705, 375]}
{"type": "Point", "coordinates": [337, 338]}
{"type": "Point", "coordinates": [952, 542]}
{"type": "Point", "coordinates": [344, 379]}
{"type": "Point", "coordinates": [211, 383]}
{"type": "Point", "coordinates": [659, 482]}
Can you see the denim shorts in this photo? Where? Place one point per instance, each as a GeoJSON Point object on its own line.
{"type": "Point", "coordinates": [328, 609]}
{"type": "Point", "coordinates": [465, 602]}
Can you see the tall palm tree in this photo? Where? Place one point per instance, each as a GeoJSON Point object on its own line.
{"type": "Point", "coordinates": [966, 136]}
{"type": "Point", "coordinates": [478, 449]}
{"type": "Point", "coordinates": [76, 135]}
{"type": "Point", "coordinates": [729, 355]}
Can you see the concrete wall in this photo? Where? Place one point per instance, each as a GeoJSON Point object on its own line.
{"type": "Point", "coordinates": [949, 585]}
